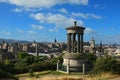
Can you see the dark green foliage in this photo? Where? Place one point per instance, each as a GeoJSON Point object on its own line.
{"type": "Point", "coordinates": [6, 75]}
{"type": "Point", "coordinates": [7, 67]}
{"type": "Point", "coordinates": [21, 55]}
{"type": "Point", "coordinates": [106, 64]}
{"type": "Point", "coordinates": [27, 62]}
{"type": "Point", "coordinates": [91, 57]}
{"type": "Point", "coordinates": [6, 71]}
{"type": "Point", "coordinates": [31, 73]}
{"type": "Point", "coordinates": [38, 63]}
{"type": "Point", "coordinates": [55, 59]}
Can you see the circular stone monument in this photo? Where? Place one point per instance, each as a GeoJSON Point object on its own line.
{"type": "Point", "coordinates": [74, 57]}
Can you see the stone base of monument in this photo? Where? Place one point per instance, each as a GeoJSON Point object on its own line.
{"type": "Point", "coordinates": [75, 61]}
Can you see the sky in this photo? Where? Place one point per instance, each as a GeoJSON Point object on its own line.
{"type": "Point", "coordinates": [45, 20]}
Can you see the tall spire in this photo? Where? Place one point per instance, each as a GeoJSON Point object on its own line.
{"type": "Point", "coordinates": [101, 44]}
{"type": "Point", "coordinates": [55, 40]}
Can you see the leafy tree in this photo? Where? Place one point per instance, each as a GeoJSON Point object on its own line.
{"type": "Point", "coordinates": [7, 62]}
{"type": "Point", "coordinates": [55, 59]}
{"type": "Point", "coordinates": [91, 57]}
{"type": "Point", "coordinates": [29, 59]}
{"type": "Point", "coordinates": [6, 75]}
{"type": "Point", "coordinates": [106, 64]}
{"type": "Point", "coordinates": [21, 55]}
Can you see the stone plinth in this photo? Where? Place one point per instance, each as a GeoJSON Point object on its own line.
{"type": "Point", "coordinates": [75, 61]}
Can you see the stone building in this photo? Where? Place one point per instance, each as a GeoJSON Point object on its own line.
{"type": "Point", "coordinates": [100, 48]}
{"type": "Point", "coordinates": [4, 56]}
{"type": "Point", "coordinates": [25, 47]}
{"type": "Point", "coordinates": [13, 48]}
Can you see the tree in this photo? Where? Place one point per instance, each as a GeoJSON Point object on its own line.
{"type": "Point", "coordinates": [106, 64]}
{"type": "Point", "coordinates": [91, 57]}
{"type": "Point", "coordinates": [7, 62]}
{"type": "Point", "coordinates": [21, 55]}
{"type": "Point", "coordinates": [29, 60]}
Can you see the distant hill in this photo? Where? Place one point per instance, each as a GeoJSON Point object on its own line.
{"type": "Point", "coordinates": [12, 41]}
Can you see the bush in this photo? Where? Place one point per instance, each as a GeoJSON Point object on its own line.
{"type": "Point", "coordinates": [6, 75]}
{"type": "Point", "coordinates": [21, 55]}
{"type": "Point", "coordinates": [106, 64]}
{"type": "Point", "coordinates": [41, 66]}
{"type": "Point", "coordinates": [91, 57]}
{"type": "Point", "coordinates": [31, 73]}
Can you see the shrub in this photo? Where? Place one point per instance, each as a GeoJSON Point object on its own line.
{"type": "Point", "coordinates": [31, 73]}
{"type": "Point", "coordinates": [106, 64]}
{"type": "Point", "coordinates": [6, 75]}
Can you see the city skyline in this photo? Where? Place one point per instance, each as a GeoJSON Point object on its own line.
{"type": "Point", "coordinates": [43, 20]}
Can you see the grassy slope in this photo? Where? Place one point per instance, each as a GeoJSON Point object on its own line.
{"type": "Point", "coordinates": [54, 75]}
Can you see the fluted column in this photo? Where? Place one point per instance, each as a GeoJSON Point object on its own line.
{"type": "Point", "coordinates": [69, 42]}
{"type": "Point", "coordinates": [81, 51]}
{"type": "Point", "coordinates": [78, 44]}
{"type": "Point", "coordinates": [73, 41]}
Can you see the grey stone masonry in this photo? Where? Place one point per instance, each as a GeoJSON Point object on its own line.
{"type": "Point", "coordinates": [75, 38]}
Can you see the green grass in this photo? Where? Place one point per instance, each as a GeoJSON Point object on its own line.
{"type": "Point", "coordinates": [57, 73]}
{"type": "Point", "coordinates": [35, 74]}
{"type": "Point", "coordinates": [46, 73]}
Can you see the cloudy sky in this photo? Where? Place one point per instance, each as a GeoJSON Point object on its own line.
{"type": "Point", "coordinates": [43, 20]}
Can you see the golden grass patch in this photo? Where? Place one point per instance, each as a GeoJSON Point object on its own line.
{"type": "Point", "coordinates": [56, 78]}
{"type": "Point", "coordinates": [103, 76]}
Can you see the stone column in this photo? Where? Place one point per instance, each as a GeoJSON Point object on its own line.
{"type": "Point", "coordinates": [58, 65]}
{"type": "Point", "coordinates": [81, 45]}
{"type": "Point", "coordinates": [83, 68]}
{"type": "Point", "coordinates": [68, 70]}
{"type": "Point", "coordinates": [78, 43]}
{"type": "Point", "coordinates": [69, 42]}
{"type": "Point", "coordinates": [68, 67]}
{"type": "Point", "coordinates": [36, 47]}
{"type": "Point", "coordinates": [73, 41]}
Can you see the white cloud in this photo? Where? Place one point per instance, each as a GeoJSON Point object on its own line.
{"type": "Point", "coordinates": [89, 31]}
{"type": "Point", "coordinates": [51, 30]}
{"type": "Point", "coordinates": [55, 29]}
{"type": "Point", "coordinates": [44, 3]}
{"type": "Point", "coordinates": [21, 9]}
{"type": "Point", "coordinates": [86, 16]}
{"type": "Point", "coordinates": [37, 27]}
{"type": "Point", "coordinates": [21, 31]}
{"type": "Point", "coordinates": [3, 0]}
{"type": "Point", "coordinates": [63, 10]}
{"type": "Point", "coordinates": [7, 33]}
{"type": "Point", "coordinates": [17, 10]}
{"type": "Point", "coordinates": [31, 32]}
{"type": "Point", "coordinates": [79, 15]}
{"type": "Point", "coordinates": [95, 16]}
{"type": "Point", "coordinates": [96, 5]}
{"type": "Point", "coordinates": [58, 19]}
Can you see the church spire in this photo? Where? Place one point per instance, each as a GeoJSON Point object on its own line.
{"type": "Point", "coordinates": [55, 40]}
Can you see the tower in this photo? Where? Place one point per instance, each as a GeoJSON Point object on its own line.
{"type": "Point", "coordinates": [92, 43]}
{"type": "Point", "coordinates": [74, 57]}
{"type": "Point", "coordinates": [101, 50]}
{"type": "Point", "coordinates": [55, 40]}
